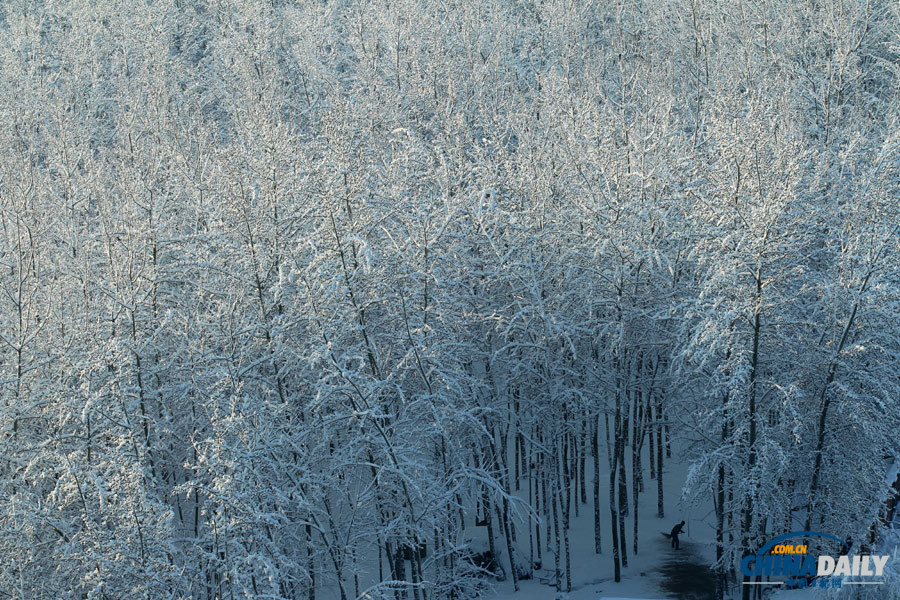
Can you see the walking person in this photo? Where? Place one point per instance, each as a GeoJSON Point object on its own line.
{"type": "Point", "coordinates": [675, 533]}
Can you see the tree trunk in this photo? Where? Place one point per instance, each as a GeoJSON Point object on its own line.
{"type": "Point", "coordinates": [595, 451]}
{"type": "Point", "coordinates": [556, 509]}
{"type": "Point", "coordinates": [567, 476]}
{"type": "Point", "coordinates": [566, 527]}
{"type": "Point", "coordinates": [650, 436]}
{"type": "Point", "coordinates": [720, 517]}
{"type": "Point", "coordinates": [582, 447]}
{"type": "Point", "coordinates": [614, 516]}
{"type": "Point", "coordinates": [660, 505]}
{"type": "Point", "coordinates": [747, 517]}
{"type": "Point", "coordinates": [504, 516]}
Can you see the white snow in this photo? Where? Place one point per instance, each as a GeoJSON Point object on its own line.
{"type": "Point", "coordinates": [592, 575]}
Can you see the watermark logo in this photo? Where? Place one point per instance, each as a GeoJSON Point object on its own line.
{"type": "Point", "coordinates": [801, 568]}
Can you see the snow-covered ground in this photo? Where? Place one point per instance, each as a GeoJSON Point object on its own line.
{"type": "Point", "coordinates": [650, 569]}
{"type": "Point", "coordinates": [592, 574]}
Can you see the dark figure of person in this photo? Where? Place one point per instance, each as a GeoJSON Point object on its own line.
{"type": "Point", "coordinates": [675, 532]}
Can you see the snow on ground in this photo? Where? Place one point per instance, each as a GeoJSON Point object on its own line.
{"type": "Point", "coordinates": [592, 575]}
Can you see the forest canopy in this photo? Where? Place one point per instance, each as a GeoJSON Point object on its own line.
{"type": "Point", "coordinates": [292, 291]}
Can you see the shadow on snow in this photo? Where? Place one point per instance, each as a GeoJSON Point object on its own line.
{"type": "Point", "coordinates": [685, 575]}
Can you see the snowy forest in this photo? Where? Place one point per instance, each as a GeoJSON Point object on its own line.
{"type": "Point", "coordinates": [351, 299]}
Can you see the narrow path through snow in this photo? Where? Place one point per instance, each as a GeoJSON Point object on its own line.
{"type": "Point", "coordinates": [684, 573]}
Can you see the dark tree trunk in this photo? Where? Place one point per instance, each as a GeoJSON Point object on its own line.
{"type": "Point", "coordinates": [595, 451]}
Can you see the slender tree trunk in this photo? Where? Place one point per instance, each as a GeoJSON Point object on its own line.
{"type": "Point", "coordinates": [534, 468]}
{"type": "Point", "coordinates": [566, 529]}
{"type": "Point", "coordinates": [660, 504]}
{"type": "Point", "coordinates": [400, 568]}
{"type": "Point", "coordinates": [567, 476]}
{"type": "Point", "coordinates": [720, 516]}
{"type": "Point", "coordinates": [595, 452]}
{"type": "Point", "coordinates": [650, 436]}
{"type": "Point", "coordinates": [582, 447]}
{"type": "Point", "coordinates": [609, 449]}
{"type": "Point", "coordinates": [622, 504]}
{"type": "Point", "coordinates": [525, 454]}
{"type": "Point", "coordinates": [614, 515]}
{"type": "Point", "coordinates": [439, 563]}
{"type": "Point", "coordinates": [504, 517]}
{"type": "Point", "coordinates": [517, 451]}
{"type": "Point", "coordinates": [635, 486]}
{"type": "Point", "coordinates": [489, 521]}
{"type": "Point", "coordinates": [311, 567]}
{"type": "Point", "coordinates": [532, 502]}
{"type": "Point", "coordinates": [623, 475]}
{"type": "Point", "coordinates": [557, 507]}
{"type": "Point", "coordinates": [573, 455]}
{"type": "Point", "coordinates": [544, 474]}
{"type": "Point", "coordinates": [747, 518]}
{"type": "Point", "coordinates": [668, 435]}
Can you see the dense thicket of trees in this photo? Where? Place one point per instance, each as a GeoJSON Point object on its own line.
{"type": "Point", "coordinates": [290, 291]}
